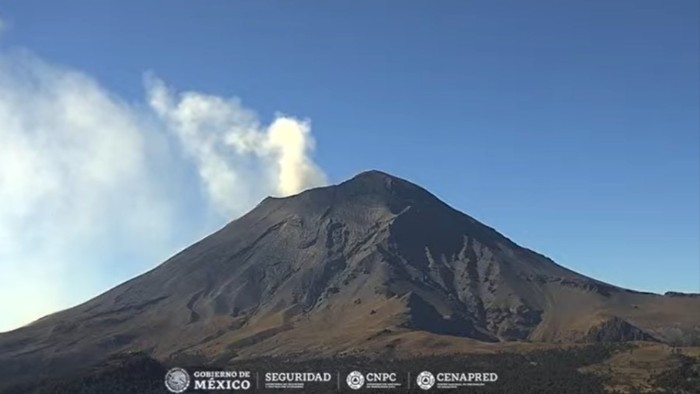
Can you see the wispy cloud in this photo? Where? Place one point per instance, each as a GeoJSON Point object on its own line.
{"type": "Point", "coordinates": [91, 185]}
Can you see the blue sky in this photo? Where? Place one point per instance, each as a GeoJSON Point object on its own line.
{"type": "Point", "coordinates": [571, 127]}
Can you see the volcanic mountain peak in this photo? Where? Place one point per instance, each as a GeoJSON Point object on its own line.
{"type": "Point", "coordinates": [373, 176]}
{"type": "Point", "coordinates": [374, 181]}
{"type": "Point", "coordinates": [371, 189]}
{"type": "Point", "coordinates": [369, 262]}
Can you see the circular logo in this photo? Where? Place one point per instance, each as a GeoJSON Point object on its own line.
{"type": "Point", "coordinates": [355, 380]}
{"type": "Point", "coordinates": [425, 380]}
{"type": "Point", "coordinates": [177, 380]}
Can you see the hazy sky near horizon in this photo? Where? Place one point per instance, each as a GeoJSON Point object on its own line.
{"type": "Point", "coordinates": [130, 129]}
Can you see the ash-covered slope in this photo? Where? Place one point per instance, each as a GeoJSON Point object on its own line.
{"type": "Point", "coordinates": [374, 260]}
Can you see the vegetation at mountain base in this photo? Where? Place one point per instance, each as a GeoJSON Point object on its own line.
{"type": "Point", "coordinates": [556, 371]}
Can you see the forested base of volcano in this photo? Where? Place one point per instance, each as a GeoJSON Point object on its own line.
{"type": "Point", "coordinates": [543, 371]}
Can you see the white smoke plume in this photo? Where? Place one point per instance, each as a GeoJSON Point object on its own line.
{"type": "Point", "coordinates": [95, 189]}
{"type": "Point", "coordinates": [231, 148]}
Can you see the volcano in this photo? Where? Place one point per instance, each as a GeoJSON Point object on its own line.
{"type": "Point", "coordinates": [373, 264]}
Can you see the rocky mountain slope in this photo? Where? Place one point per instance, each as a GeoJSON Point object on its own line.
{"type": "Point", "coordinates": [373, 264]}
